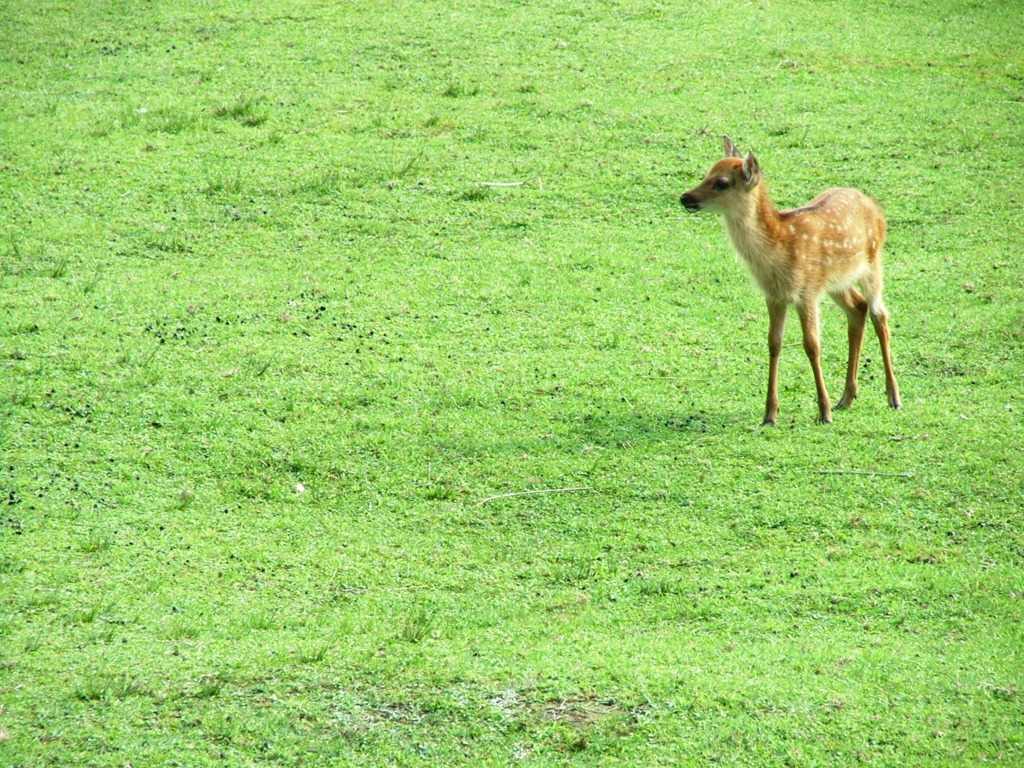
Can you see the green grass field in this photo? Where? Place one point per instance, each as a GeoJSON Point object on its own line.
{"type": "Point", "coordinates": [295, 295]}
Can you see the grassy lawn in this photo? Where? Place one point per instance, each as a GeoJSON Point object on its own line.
{"type": "Point", "coordinates": [367, 398]}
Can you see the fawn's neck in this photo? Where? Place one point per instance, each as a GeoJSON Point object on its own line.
{"type": "Point", "coordinates": [756, 229]}
{"type": "Point", "coordinates": [757, 233]}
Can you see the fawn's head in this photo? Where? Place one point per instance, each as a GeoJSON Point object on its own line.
{"type": "Point", "coordinates": [727, 185]}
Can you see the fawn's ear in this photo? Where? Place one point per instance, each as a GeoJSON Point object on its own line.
{"type": "Point", "coordinates": [730, 148]}
{"type": "Point", "coordinates": [751, 172]}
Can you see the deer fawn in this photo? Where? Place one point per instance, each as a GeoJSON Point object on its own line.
{"type": "Point", "coordinates": [796, 256]}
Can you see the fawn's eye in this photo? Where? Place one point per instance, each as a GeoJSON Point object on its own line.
{"type": "Point", "coordinates": [721, 183]}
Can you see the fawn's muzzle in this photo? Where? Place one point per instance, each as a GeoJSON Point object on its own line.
{"type": "Point", "coordinates": [690, 202]}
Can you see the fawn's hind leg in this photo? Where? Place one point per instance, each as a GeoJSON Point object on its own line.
{"type": "Point", "coordinates": [856, 308]}
{"type": "Point", "coordinates": [872, 286]}
{"type": "Point", "coordinates": [880, 319]}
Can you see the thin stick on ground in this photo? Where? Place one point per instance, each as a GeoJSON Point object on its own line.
{"type": "Point", "coordinates": [868, 473]}
{"type": "Point", "coordinates": [532, 493]}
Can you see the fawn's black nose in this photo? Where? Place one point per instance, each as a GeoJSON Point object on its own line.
{"type": "Point", "coordinates": [690, 202]}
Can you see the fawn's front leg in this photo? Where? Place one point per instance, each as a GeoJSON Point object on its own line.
{"type": "Point", "coordinates": [812, 346]}
{"type": "Point", "coordinates": [776, 324]}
